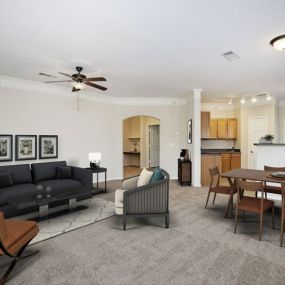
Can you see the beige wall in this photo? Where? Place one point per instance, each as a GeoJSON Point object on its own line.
{"type": "Point", "coordinates": [281, 120]}
{"type": "Point", "coordinates": [254, 111]}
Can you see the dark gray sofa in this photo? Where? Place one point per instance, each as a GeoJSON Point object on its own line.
{"type": "Point", "coordinates": [25, 181]}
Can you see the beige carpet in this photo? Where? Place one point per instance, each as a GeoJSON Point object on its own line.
{"type": "Point", "coordinates": [198, 248]}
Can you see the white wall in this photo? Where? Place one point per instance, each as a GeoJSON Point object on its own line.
{"type": "Point", "coordinates": [96, 127]}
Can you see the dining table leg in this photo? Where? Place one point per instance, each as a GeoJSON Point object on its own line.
{"type": "Point", "coordinates": [230, 205]}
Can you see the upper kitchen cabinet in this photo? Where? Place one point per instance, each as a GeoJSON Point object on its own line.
{"type": "Point", "coordinates": [222, 128]}
{"type": "Point", "coordinates": [232, 128]}
{"type": "Point", "coordinates": [205, 125]}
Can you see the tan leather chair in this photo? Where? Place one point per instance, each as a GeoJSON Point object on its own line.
{"type": "Point", "coordinates": [15, 235]}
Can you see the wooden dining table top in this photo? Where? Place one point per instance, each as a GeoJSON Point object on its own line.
{"type": "Point", "coordinates": [252, 174]}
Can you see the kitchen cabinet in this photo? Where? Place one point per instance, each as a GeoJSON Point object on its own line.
{"type": "Point", "coordinates": [235, 160]}
{"type": "Point", "coordinates": [205, 125]}
{"type": "Point", "coordinates": [214, 128]}
{"type": "Point", "coordinates": [209, 161]}
{"type": "Point", "coordinates": [226, 162]}
{"type": "Point", "coordinates": [232, 128]}
{"type": "Point", "coordinates": [222, 128]}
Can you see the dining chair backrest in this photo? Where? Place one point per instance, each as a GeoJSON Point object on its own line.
{"type": "Point", "coordinates": [273, 168]}
{"type": "Point", "coordinates": [215, 176]}
{"type": "Point", "coordinates": [251, 186]}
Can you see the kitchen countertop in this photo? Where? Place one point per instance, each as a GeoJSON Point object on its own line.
{"type": "Point", "coordinates": [219, 151]}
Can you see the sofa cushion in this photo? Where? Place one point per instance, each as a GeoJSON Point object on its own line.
{"type": "Point", "coordinates": [5, 179]}
{"type": "Point", "coordinates": [157, 175]}
{"type": "Point", "coordinates": [16, 191]}
{"type": "Point", "coordinates": [61, 186]}
{"type": "Point", "coordinates": [144, 177]}
{"type": "Point", "coordinates": [45, 170]}
{"type": "Point", "coordinates": [63, 172]}
{"type": "Point", "coordinates": [20, 173]}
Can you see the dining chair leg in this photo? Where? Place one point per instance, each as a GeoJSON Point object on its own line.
{"type": "Point", "coordinates": [273, 218]}
{"type": "Point", "coordinates": [214, 199]}
{"type": "Point", "coordinates": [266, 195]}
{"type": "Point", "coordinates": [282, 232]}
{"type": "Point", "coordinates": [207, 199]}
{"type": "Point", "coordinates": [260, 226]}
{"type": "Point", "coordinates": [228, 206]}
{"type": "Point", "coordinates": [236, 217]}
{"type": "Point", "coordinates": [243, 216]}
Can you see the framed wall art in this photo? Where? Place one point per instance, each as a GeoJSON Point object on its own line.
{"type": "Point", "coordinates": [189, 131]}
{"type": "Point", "coordinates": [26, 147]}
{"type": "Point", "coordinates": [6, 148]}
{"type": "Point", "coordinates": [48, 146]}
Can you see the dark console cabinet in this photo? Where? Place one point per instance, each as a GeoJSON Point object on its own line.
{"type": "Point", "coordinates": [184, 172]}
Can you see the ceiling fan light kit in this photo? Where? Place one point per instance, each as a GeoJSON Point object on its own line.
{"type": "Point", "coordinates": [79, 80]}
{"type": "Point", "coordinates": [278, 43]}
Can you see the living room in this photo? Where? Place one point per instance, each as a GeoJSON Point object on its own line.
{"type": "Point", "coordinates": [157, 59]}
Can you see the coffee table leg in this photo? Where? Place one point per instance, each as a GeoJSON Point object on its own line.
{"type": "Point", "coordinates": [43, 211]}
{"type": "Point", "coordinates": [72, 204]}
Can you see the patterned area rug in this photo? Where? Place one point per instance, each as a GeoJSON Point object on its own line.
{"type": "Point", "coordinates": [93, 210]}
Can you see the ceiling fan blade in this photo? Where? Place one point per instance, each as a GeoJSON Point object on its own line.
{"type": "Point", "coordinates": [58, 81]}
{"type": "Point", "coordinates": [96, 79]}
{"type": "Point", "coordinates": [65, 74]}
{"type": "Point", "coordinates": [75, 90]}
{"type": "Point", "coordinates": [95, 85]}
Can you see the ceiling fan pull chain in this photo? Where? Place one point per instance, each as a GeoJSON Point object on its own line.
{"type": "Point", "coordinates": [77, 102]}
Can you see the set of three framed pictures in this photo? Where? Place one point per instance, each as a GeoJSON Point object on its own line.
{"type": "Point", "coordinates": [26, 147]}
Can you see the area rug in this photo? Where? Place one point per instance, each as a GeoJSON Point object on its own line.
{"type": "Point", "coordinates": [93, 210]}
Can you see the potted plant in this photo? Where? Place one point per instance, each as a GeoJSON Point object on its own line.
{"type": "Point", "coordinates": [268, 138]}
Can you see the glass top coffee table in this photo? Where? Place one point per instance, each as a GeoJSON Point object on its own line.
{"type": "Point", "coordinates": [43, 203]}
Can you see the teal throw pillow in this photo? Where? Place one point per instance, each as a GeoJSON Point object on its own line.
{"type": "Point", "coordinates": [157, 175]}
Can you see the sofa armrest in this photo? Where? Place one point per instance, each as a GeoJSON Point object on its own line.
{"type": "Point", "coordinates": [83, 175]}
{"type": "Point", "coordinates": [130, 183]}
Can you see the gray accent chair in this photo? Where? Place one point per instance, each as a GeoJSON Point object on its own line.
{"type": "Point", "coordinates": [151, 200]}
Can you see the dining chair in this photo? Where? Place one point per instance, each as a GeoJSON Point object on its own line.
{"type": "Point", "coordinates": [15, 235]}
{"type": "Point", "coordinates": [252, 204]}
{"type": "Point", "coordinates": [216, 188]}
{"type": "Point", "coordinates": [270, 188]}
{"type": "Point", "coordinates": [282, 214]}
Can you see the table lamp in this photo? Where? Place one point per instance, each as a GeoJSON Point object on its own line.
{"type": "Point", "coordinates": [94, 158]}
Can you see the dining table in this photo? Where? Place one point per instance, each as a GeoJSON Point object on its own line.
{"type": "Point", "coordinates": [247, 174]}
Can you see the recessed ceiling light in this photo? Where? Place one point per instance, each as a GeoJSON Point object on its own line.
{"type": "Point", "coordinates": [242, 101]}
{"type": "Point", "coordinates": [230, 56]}
{"type": "Point", "coordinates": [268, 97]}
{"type": "Point", "coordinates": [253, 100]}
{"type": "Point", "coordinates": [278, 42]}
{"type": "Point", "coordinates": [230, 101]}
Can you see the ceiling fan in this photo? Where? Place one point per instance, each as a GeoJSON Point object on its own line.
{"type": "Point", "coordinates": [80, 79]}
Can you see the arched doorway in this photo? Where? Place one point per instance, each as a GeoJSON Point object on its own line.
{"type": "Point", "coordinates": [141, 144]}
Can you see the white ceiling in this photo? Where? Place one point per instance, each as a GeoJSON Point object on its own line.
{"type": "Point", "coordinates": [161, 48]}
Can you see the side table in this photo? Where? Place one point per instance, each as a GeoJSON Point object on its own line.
{"type": "Point", "coordinates": [97, 171]}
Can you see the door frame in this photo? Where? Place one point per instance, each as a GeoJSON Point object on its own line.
{"type": "Point", "coordinates": [249, 135]}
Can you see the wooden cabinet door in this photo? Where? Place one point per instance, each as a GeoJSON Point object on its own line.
{"type": "Point", "coordinates": [222, 128]}
{"type": "Point", "coordinates": [213, 128]}
{"type": "Point", "coordinates": [208, 161]}
{"type": "Point", "coordinates": [205, 125]}
{"type": "Point", "coordinates": [226, 162]}
{"type": "Point", "coordinates": [232, 128]}
{"type": "Point", "coordinates": [235, 160]}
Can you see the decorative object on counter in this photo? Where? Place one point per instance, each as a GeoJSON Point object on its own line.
{"type": "Point", "coordinates": [266, 139]}
{"type": "Point", "coordinates": [187, 156]}
{"type": "Point", "coordinates": [26, 147]}
{"type": "Point", "coordinates": [94, 158]}
{"type": "Point", "coordinates": [183, 152]}
{"type": "Point", "coordinates": [135, 144]}
{"type": "Point", "coordinates": [6, 148]}
{"type": "Point", "coordinates": [48, 146]}
{"type": "Point", "coordinates": [189, 131]}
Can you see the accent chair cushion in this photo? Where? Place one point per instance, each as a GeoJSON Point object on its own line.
{"type": "Point", "coordinates": [157, 175]}
{"type": "Point", "coordinates": [144, 177]}
{"type": "Point", "coordinates": [5, 179]}
{"type": "Point", "coordinates": [63, 172]}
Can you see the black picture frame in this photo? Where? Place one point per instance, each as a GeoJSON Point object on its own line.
{"type": "Point", "coordinates": [6, 148]}
{"type": "Point", "coordinates": [189, 131]}
{"type": "Point", "coordinates": [49, 142]}
{"type": "Point", "coordinates": [28, 151]}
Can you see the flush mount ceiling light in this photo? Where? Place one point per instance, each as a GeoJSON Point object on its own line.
{"type": "Point", "coordinates": [230, 101]}
{"type": "Point", "coordinates": [268, 97]}
{"type": "Point", "coordinates": [242, 101]}
{"type": "Point", "coordinates": [78, 85]}
{"type": "Point", "coordinates": [253, 99]}
{"type": "Point", "coordinates": [278, 42]}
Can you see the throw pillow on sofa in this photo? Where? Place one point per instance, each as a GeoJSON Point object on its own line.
{"type": "Point", "coordinates": [63, 172]}
{"type": "Point", "coordinates": [144, 177]}
{"type": "Point", "coordinates": [6, 179]}
{"type": "Point", "coordinates": [157, 175]}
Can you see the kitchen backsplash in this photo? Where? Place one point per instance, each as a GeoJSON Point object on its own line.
{"type": "Point", "coordinates": [217, 144]}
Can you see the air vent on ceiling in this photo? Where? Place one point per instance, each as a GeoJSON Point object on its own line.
{"type": "Point", "coordinates": [46, 74]}
{"type": "Point", "coordinates": [230, 56]}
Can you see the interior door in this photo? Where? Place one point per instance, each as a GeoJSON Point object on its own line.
{"type": "Point", "coordinates": [258, 127]}
{"type": "Point", "coordinates": [153, 145]}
